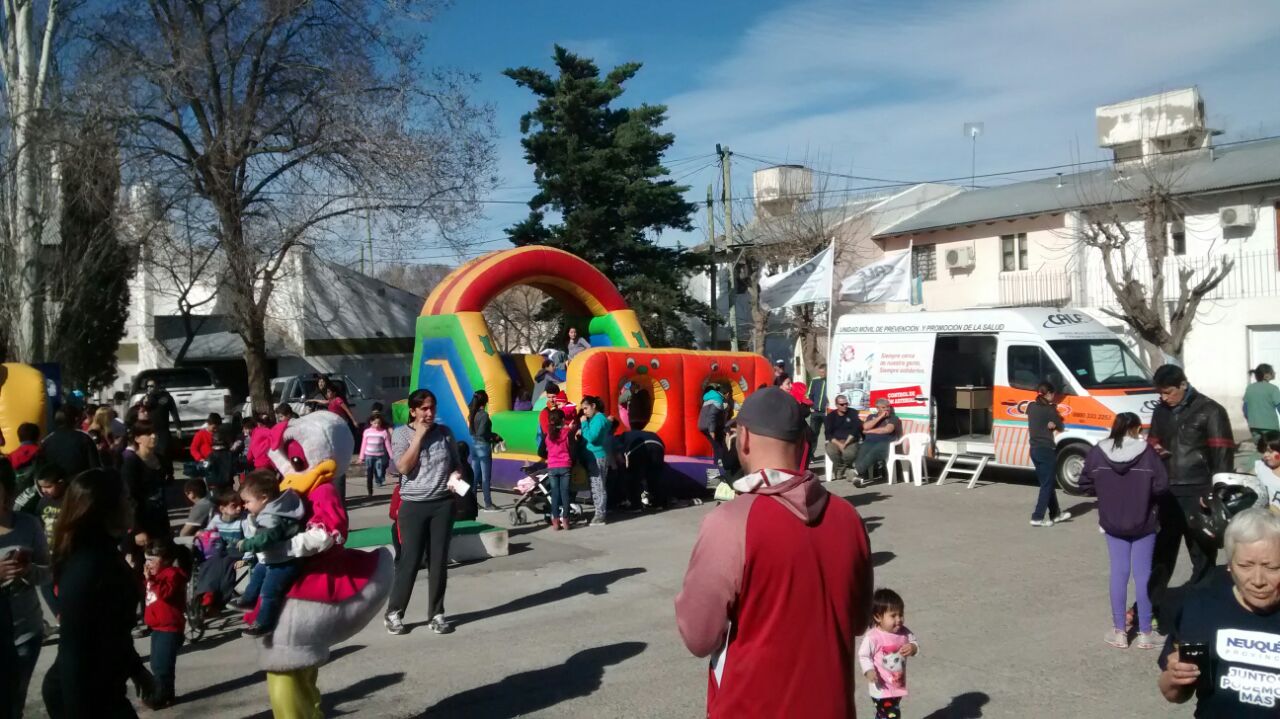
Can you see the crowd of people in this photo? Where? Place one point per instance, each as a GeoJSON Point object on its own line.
{"type": "Point", "coordinates": [84, 528]}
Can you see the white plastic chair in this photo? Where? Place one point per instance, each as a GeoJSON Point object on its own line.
{"type": "Point", "coordinates": [910, 449]}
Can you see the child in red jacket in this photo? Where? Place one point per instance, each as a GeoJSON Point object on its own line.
{"type": "Point", "coordinates": [166, 595]}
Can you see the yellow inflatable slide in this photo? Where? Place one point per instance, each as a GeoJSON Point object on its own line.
{"type": "Point", "coordinates": [22, 399]}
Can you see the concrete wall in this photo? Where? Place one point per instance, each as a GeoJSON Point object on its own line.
{"type": "Point", "coordinates": [980, 286]}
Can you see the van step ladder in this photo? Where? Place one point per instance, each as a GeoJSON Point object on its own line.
{"type": "Point", "coordinates": [963, 465]}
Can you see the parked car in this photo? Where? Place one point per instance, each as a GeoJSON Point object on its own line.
{"type": "Point", "coordinates": [195, 390]}
{"type": "Point", "coordinates": [302, 393]}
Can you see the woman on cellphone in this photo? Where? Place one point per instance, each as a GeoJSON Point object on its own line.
{"type": "Point", "coordinates": [1221, 651]}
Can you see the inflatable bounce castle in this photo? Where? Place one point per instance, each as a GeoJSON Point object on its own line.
{"type": "Point", "coordinates": [454, 355]}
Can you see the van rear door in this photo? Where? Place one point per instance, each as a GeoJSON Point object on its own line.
{"type": "Point", "coordinates": [892, 365]}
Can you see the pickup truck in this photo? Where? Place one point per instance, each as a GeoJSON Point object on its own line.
{"type": "Point", "coordinates": [302, 392]}
{"type": "Point", "coordinates": [194, 389]}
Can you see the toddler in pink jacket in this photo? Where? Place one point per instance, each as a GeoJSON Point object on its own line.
{"type": "Point", "coordinates": [884, 651]}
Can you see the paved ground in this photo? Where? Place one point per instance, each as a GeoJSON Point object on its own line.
{"type": "Point", "coordinates": [580, 624]}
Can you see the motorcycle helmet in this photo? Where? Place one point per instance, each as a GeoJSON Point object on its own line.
{"type": "Point", "coordinates": [1217, 508]}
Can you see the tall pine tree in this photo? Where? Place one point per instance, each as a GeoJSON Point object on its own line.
{"type": "Point", "coordinates": [599, 168]}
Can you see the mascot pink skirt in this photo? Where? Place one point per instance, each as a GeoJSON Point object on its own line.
{"type": "Point", "coordinates": [339, 590]}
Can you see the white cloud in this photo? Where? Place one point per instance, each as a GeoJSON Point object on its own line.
{"type": "Point", "coordinates": [881, 87]}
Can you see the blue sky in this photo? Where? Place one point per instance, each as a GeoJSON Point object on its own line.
{"type": "Point", "coordinates": [878, 89]}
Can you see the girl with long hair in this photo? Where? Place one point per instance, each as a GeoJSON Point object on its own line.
{"type": "Point", "coordinates": [482, 441]}
{"type": "Point", "coordinates": [1126, 475]}
{"type": "Point", "coordinates": [99, 598]}
{"type": "Point", "coordinates": [595, 434]}
{"type": "Point", "coordinates": [559, 467]}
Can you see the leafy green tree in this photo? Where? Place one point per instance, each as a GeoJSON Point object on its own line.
{"type": "Point", "coordinates": [89, 280]}
{"type": "Point", "coordinates": [598, 168]}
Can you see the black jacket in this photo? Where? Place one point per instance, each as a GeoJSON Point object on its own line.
{"type": "Point", "coordinates": [96, 658]}
{"type": "Point", "coordinates": [1196, 441]}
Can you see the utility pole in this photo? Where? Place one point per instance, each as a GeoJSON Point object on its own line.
{"type": "Point", "coordinates": [727, 197]}
{"type": "Point", "coordinates": [715, 306]}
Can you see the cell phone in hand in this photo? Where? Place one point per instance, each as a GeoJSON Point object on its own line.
{"type": "Point", "coordinates": [1196, 653]}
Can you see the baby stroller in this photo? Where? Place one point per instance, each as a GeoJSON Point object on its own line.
{"type": "Point", "coordinates": [212, 585]}
{"type": "Point", "coordinates": [535, 497]}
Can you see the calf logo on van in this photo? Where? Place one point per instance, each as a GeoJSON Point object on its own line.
{"type": "Point", "coordinates": [1063, 319]}
{"type": "Point", "coordinates": [1150, 405]}
{"type": "Point", "coordinates": [1019, 409]}
{"type": "Point", "coordinates": [847, 353]}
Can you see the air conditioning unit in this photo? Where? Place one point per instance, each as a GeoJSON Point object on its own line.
{"type": "Point", "coordinates": [959, 258]}
{"type": "Point", "coordinates": [1236, 216]}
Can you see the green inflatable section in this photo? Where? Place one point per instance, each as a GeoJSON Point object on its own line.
{"type": "Point", "coordinates": [518, 429]}
{"type": "Point", "coordinates": [381, 536]}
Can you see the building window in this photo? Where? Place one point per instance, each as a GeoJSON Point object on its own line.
{"type": "Point", "coordinates": [1178, 236]}
{"type": "Point", "coordinates": [924, 262]}
{"type": "Point", "coordinates": [1013, 252]}
{"type": "Point", "coordinates": [395, 382]}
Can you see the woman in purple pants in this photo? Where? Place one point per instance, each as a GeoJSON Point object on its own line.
{"type": "Point", "coordinates": [1126, 474]}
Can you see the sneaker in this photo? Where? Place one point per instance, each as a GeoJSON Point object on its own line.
{"type": "Point", "coordinates": [597, 521]}
{"type": "Point", "coordinates": [1042, 522]}
{"type": "Point", "coordinates": [491, 508]}
{"type": "Point", "coordinates": [394, 622]}
{"type": "Point", "coordinates": [257, 631]}
{"type": "Point", "coordinates": [1062, 517]}
{"type": "Point", "coordinates": [1117, 639]}
{"type": "Point", "coordinates": [440, 625]}
{"type": "Point", "coordinates": [1147, 640]}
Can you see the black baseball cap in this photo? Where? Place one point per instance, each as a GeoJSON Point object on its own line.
{"type": "Point", "coordinates": [770, 412]}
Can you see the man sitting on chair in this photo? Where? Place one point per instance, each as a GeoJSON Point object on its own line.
{"type": "Point", "coordinates": [881, 429]}
{"type": "Point", "coordinates": [844, 433]}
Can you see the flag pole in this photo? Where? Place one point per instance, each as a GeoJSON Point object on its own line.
{"type": "Point", "coordinates": [831, 305]}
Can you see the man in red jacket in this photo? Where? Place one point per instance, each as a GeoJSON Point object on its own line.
{"type": "Point", "coordinates": [780, 580]}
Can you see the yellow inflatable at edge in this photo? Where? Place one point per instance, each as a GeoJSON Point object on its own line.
{"type": "Point", "coordinates": [22, 399]}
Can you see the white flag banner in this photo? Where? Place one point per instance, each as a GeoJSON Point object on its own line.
{"type": "Point", "coordinates": [885, 280]}
{"type": "Point", "coordinates": [810, 282]}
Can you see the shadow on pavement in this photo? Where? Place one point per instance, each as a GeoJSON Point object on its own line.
{"type": "Point", "coordinates": [539, 689]}
{"type": "Point", "coordinates": [1082, 508]}
{"type": "Point", "coordinates": [248, 680]}
{"type": "Point", "coordinates": [963, 706]}
{"type": "Point", "coordinates": [329, 702]}
{"type": "Point", "coordinates": [586, 584]}
{"type": "Point", "coordinates": [872, 523]}
{"type": "Point", "coordinates": [881, 558]}
{"type": "Point", "coordinates": [865, 497]}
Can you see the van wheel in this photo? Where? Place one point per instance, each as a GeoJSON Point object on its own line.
{"type": "Point", "coordinates": [1070, 464]}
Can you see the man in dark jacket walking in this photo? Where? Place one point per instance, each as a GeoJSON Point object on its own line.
{"type": "Point", "coordinates": [1193, 435]}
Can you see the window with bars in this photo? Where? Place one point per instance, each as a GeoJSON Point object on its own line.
{"type": "Point", "coordinates": [924, 262]}
{"type": "Point", "coordinates": [1013, 252]}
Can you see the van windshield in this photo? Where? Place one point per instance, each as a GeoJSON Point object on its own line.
{"type": "Point", "coordinates": [1102, 364]}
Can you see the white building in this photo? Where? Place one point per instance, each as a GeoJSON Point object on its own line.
{"type": "Point", "coordinates": [1017, 244]}
{"type": "Point", "coordinates": [785, 209]}
{"type": "Point", "coordinates": [322, 317]}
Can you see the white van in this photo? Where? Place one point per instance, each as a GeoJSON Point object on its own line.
{"type": "Point", "coordinates": [966, 378]}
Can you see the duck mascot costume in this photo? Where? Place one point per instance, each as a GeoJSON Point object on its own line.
{"type": "Point", "coordinates": [338, 590]}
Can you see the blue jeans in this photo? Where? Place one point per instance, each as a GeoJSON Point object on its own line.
{"type": "Point", "coordinates": [270, 581]}
{"type": "Point", "coordinates": [375, 470]}
{"type": "Point", "coordinates": [558, 482]}
{"type": "Point", "coordinates": [482, 467]}
{"type": "Point", "coordinates": [1044, 459]}
{"type": "Point", "coordinates": [164, 659]}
